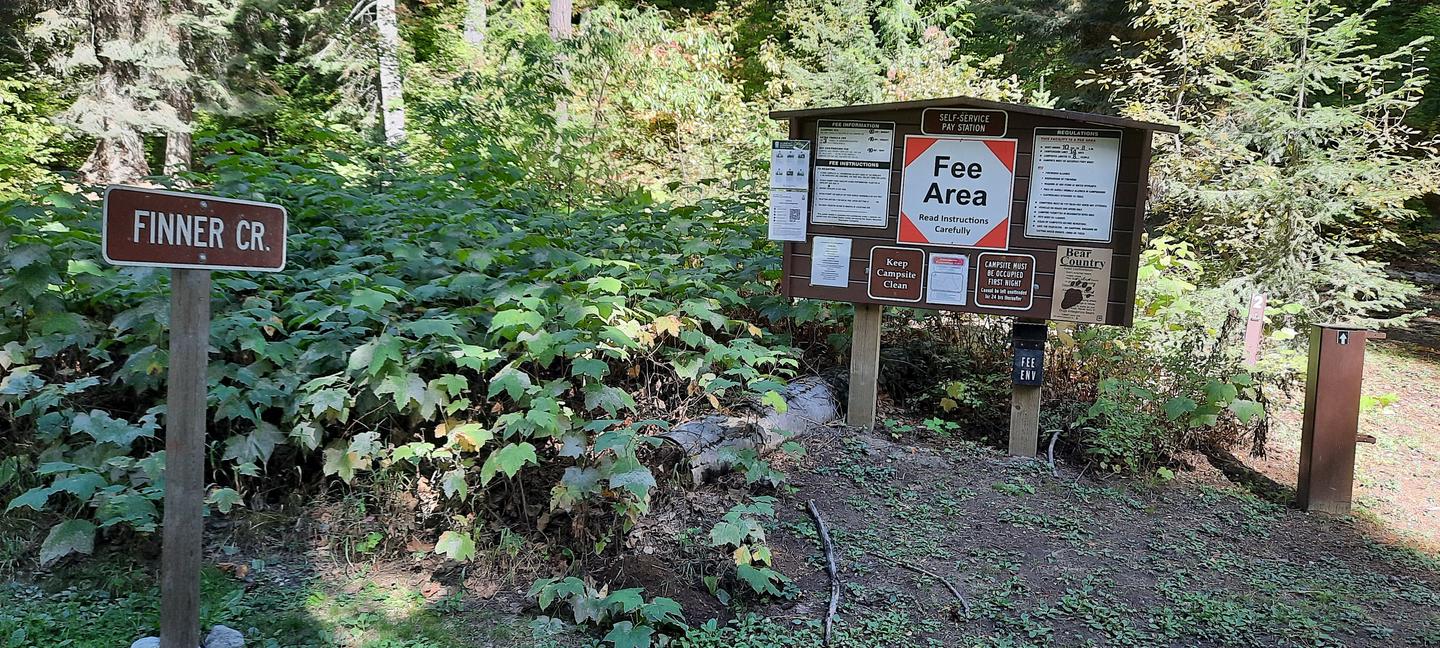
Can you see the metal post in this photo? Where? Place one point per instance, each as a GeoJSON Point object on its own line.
{"type": "Point", "coordinates": [185, 418]}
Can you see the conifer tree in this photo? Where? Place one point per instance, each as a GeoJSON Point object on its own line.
{"type": "Point", "coordinates": [1294, 165]}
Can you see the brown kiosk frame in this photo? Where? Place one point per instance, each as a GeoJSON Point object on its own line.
{"type": "Point", "coordinates": [1019, 125]}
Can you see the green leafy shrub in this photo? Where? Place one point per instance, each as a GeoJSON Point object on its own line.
{"type": "Point", "coordinates": [632, 622]}
{"type": "Point", "coordinates": [468, 339]}
{"type": "Point", "coordinates": [1176, 381]}
{"type": "Point", "coordinates": [741, 533]}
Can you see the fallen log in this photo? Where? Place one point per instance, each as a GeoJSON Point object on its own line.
{"type": "Point", "coordinates": [707, 446]}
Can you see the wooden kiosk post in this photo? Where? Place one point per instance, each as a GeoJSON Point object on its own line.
{"type": "Point", "coordinates": [967, 205]}
{"type": "Point", "coordinates": [864, 366]}
{"type": "Point", "coordinates": [193, 235]}
{"type": "Point", "coordinates": [1027, 378]}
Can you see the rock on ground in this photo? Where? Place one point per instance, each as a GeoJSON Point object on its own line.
{"type": "Point", "coordinates": [224, 637]}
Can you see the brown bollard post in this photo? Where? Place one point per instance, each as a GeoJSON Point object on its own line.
{"type": "Point", "coordinates": [1332, 417]}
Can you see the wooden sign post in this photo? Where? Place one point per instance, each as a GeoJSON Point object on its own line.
{"type": "Point", "coordinates": [1254, 328]}
{"type": "Point", "coordinates": [191, 234]}
{"type": "Point", "coordinates": [966, 205]}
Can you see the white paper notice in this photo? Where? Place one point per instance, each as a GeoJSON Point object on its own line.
{"type": "Point", "coordinates": [790, 164]}
{"type": "Point", "coordinates": [830, 262]}
{"type": "Point", "coordinates": [787, 214]}
{"type": "Point", "coordinates": [852, 172]}
{"type": "Point", "coordinates": [949, 279]}
{"type": "Point", "coordinates": [1072, 184]}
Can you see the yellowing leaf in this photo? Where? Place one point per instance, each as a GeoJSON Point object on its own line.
{"type": "Point", "coordinates": [667, 324]}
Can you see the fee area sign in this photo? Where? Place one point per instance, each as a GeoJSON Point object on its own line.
{"type": "Point", "coordinates": [976, 206]}
{"type": "Point", "coordinates": [956, 192]}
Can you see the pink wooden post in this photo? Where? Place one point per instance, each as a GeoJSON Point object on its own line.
{"type": "Point", "coordinates": [1254, 324]}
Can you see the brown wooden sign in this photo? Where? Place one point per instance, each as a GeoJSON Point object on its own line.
{"type": "Point", "coordinates": [1053, 182]}
{"type": "Point", "coordinates": [168, 229]}
{"type": "Point", "coordinates": [895, 273]}
{"type": "Point", "coordinates": [956, 121]}
{"type": "Point", "coordinates": [1005, 281]}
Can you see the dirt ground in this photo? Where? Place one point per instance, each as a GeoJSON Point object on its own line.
{"type": "Point", "coordinates": [1072, 560]}
{"type": "Point", "coordinates": [1068, 559]}
{"type": "Point", "coordinates": [1396, 478]}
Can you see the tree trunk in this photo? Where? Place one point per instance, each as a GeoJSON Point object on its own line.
{"type": "Point", "coordinates": [178, 146]}
{"type": "Point", "coordinates": [178, 143]}
{"type": "Point", "coordinates": [119, 155]}
{"type": "Point", "coordinates": [476, 17]}
{"type": "Point", "coordinates": [561, 14]}
{"type": "Point", "coordinates": [392, 101]}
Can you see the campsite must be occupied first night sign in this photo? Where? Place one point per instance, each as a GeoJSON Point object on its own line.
{"type": "Point", "coordinates": [963, 204]}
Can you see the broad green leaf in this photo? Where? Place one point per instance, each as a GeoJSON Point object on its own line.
{"type": "Point", "coordinates": [70, 536]}
{"type": "Point", "coordinates": [34, 498]}
{"type": "Point", "coordinates": [254, 447]}
{"type": "Point", "coordinates": [610, 399]}
{"type": "Point", "coordinates": [572, 445]}
{"type": "Point", "coordinates": [575, 486]}
{"type": "Point", "coordinates": [224, 499]}
{"type": "Point", "coordinates": [329, 403]}
{"type": "Point", "coordinates": [726, 533]}
{"type": "Point", "coordinates": [628, 473]}
{"type": "Point", "coordinates": [759, 579]}
{"type": "Point", "coordinates": [371, 300]}
{"type": "Point", "coordinates": [517, 318]}
{"type": "Point", "coordinates": [510, 380]}
{"type": "Point", "coordinates": [388, 352]}
{"type": "Point", "coordinates": [509, 460]}
{"type": "Point", "coordinates": [456, 546]}
{"type": "Point", "coordinates": [430, 327]}
{"type": "Point", "coordinates": [52, 467]}
{"type": "Point", "coordinates": [589, 367]}
{"type": "Point", "coordinates": [474, 357]}
{"type": "Point", "coordinates": [308, 434]}
{"type": "Point", "coordinates": [342, 462]}
{"type": "Point", "coordinates": [775, 401]}
{"type": "Point", "coordinates": [1247, 410]}
{"type": "Point", "coordinates": [81, 485]}
{"type": "Point", "coordinates": [1178, 407]}
{"type": "Point", "coordinates": [663, 610]}
{"type": "Point", "coordinates": [473, 435]}
{"type": "Point", "coordinates": [9, 470]}
{"type": "Point", "coordinates": [628, 635]}
{"type": "Point", "coordinates": [606, 284]}
{"type": "Point", "coordinates": [453, 483]}
{"type": "Point", "coordinates": [1221, 392]}
{"type": "Point", "coordinates": [104, 429]}
{"type": "Point", "coordinates": [628, 599]}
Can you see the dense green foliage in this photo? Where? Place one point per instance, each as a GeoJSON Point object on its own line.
{"type": "Point", "coordinates": [566, 253]}
{"type": "Point", "coordinates": [421, 326]}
